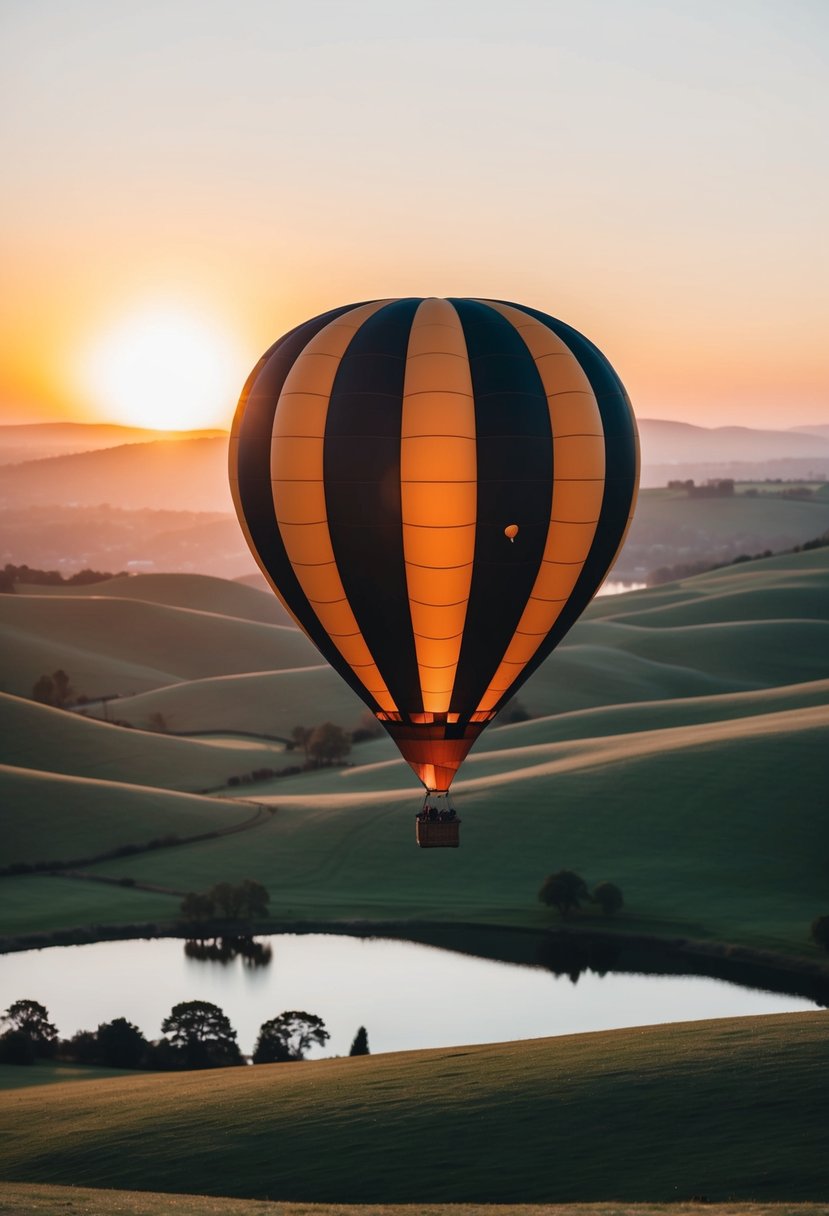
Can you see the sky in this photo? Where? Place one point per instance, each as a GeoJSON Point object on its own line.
{"type": "Point", "coordinates": [186, 180]}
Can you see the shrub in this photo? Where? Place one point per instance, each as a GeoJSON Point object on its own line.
{"type": "Point", "coordinates": [608, 896]}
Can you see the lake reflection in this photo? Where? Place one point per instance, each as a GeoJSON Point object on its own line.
{"type": "Point", "coordinates": [406, 995]}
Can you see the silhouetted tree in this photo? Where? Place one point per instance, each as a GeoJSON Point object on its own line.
{"type": "Point", "coordinates": [608, 896]}
{"type": "Point", "coordinates": [32, 1019]}
{"type": "Point", "coordinates": [197, 906]}
{"type": "Point", "coordinates": [43, 690]}
{"type": "Point", "coordinates": [16, 1048]}
{"type": "Point", "coordinates": [203, 1034]}
{"type": "Point", "coordinates": [301, 737]}
{"type": "Point", "coordinates": [83, 1047]}
{"type": "Point", "coordinates": [158, 722]}
{"type": "Point", "coordinates": [820, 931]}
{"type": "Point", "coordinates": [288, 1037]}
{"type": "Point", "coordinates": [53, 690]}
{"type": "Point", "coordinates": [328, 744]}
{"type": "Point", "coordinates": [360, 1045]}
{"type": "Point", "coordinates": [563, 890]}
{"type": "Point", "coordinates": [120, 1044]}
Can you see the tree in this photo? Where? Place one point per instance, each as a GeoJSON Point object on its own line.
{"type": "Point", "coordinates": [196, 906]}
{"type": "Point", "coordinates": [288, 1037]}
{"type": "Point", "coordinates": [254, 898]}
{"type": "Point", "coordinates": [32, 1019]}
{"type": "Point", "coordinates": [820, 931]}
{"type": "Point", "coordinates": [360, 1045]}
{"type": "Point", "coordinates": [227, 900]}
{"type": "Point", "coordinates": [16, 1048]}
{"type": "Point", "coordinates": [563, 890]}
{"type": "Point", "coordinates": [202, 1033]}
{"type": "Point", "coordinates": [159, 723]}
{"type": "Point", "coordinates": [43, 690]}
{"type": "Point", "coordinates": [53, 690]}
{"type": "Point", "coordinates": [301, 737]}
{"type": "Point", "coordinates": [608, 896]}
{"type": "Point", "coordinates": [83, 1047]}
{"type": "Point", "coordinates": [328, 744]}
{"type": "Point", "coordinates": [120, 1044]}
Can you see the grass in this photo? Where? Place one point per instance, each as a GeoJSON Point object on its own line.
{"type": "Point", "coordinates": [731, 1104]}
{"type": "Point", "coordinates": [53, 817]}
{"type": "Point", "coordinates": [22, 1200]}
{"type": "Point", "coordinates": [47, 1073]}
{"type": "Point", "coordinates": [38, 737]}
{"type": "Point", "coordinates": [110, 645]}
{"type": "Point", "coordinates": [196, 591]}
{"type": "Point", "coordinates": [700, 830]}
{"type": "Point", "coordinates": [683, 761]}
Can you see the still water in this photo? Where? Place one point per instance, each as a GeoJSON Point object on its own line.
{"type": "Point", "coordinates": [406, 995]}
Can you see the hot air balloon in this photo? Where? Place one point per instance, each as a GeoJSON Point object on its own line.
{"type": "Point", "coordinates": [379, 456]}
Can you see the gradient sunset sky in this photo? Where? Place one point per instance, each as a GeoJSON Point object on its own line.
{"type": "Point", "coordinates": [652, 172]}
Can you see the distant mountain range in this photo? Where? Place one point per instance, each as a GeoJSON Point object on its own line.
{"type": "Point", "coordinates": [36, 441]}
{"type": "Point", "coordinates": [130, 468]}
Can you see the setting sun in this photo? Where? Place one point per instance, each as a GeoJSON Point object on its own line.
{"type": "Point", "coordinates": [164, 368]}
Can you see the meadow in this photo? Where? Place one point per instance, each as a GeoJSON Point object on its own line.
{"type": "Point", "coordinates": [675, 746]}
{"type": "Point", "coordinates": [722, 1110]}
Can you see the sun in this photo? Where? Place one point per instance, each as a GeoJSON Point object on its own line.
{"type": "Point", "coordinates": [165, 368]}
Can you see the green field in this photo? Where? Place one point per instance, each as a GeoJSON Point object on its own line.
{"type": "Point", "coordinates": [726, 1110]}
{"type": "Point", "coordinates": [23, 1200]}
{"type": "Point", "coordinates": [676, 748]}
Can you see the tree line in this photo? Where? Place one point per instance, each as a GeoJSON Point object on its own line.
{"type": "Point", "coordinates": [195, 1035]}
{"type": "Point", "coordinates": [11, 575]}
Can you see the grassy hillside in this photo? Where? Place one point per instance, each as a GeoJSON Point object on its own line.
{"type": "Point", "coordinates": [121, 645]}
{"type": "Point", "coordinates": [712, 831]}
{"type": "Point", "coordinates": [259, 703]}
{"type": "Point", "coordinates": [723, 1109]}
{"type": "Point", "coordinates": [49, 816]}
{"type": "Point", "coordinates": [679, 755]}
{"type": "Point", "coordinates": [38, 737]}
{"type": "Point", "coordinates": [669, 527]}
{"type": "Point", "coordinates": [21, 1199]}
{"type": "Point", "coordinates": [197, 591]}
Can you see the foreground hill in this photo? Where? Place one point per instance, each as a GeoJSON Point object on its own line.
{"type": "Point", "coordinates": [722, 1109]}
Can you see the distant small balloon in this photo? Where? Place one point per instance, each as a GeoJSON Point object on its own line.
{"type": "Point", "coordinates": [511, 531]}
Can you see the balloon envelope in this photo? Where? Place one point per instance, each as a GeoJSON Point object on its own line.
{"type": "Point", "coordinates": [379, 455]}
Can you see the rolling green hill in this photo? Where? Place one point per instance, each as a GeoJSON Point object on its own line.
{"type": "Point", "coordinates": [259, 703]}
{"type": "Point", "coordinates": [197, 591]}
{"type": "Point", "coordinates": [38, 737]}
{"type": "Point", "coordinates": [678, 750]}
{"type": "Point", "coordinates": [723, 1109]}
{"type": "Point", "coordinates": [49, 816]}
{"type": "Point", "coordinates": [112, 645]}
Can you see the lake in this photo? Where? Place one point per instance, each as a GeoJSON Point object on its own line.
{"type": "Point", "coordinates": [407, 995]}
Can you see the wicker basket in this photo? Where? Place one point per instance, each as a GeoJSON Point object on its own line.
{"type": "Point", "coordinates": [438, 835]}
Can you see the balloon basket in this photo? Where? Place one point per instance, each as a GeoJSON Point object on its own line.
{"type": "Point", "coordinates": [437, 826]}
{"type": "Point", "coordinates": [438, 835]}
